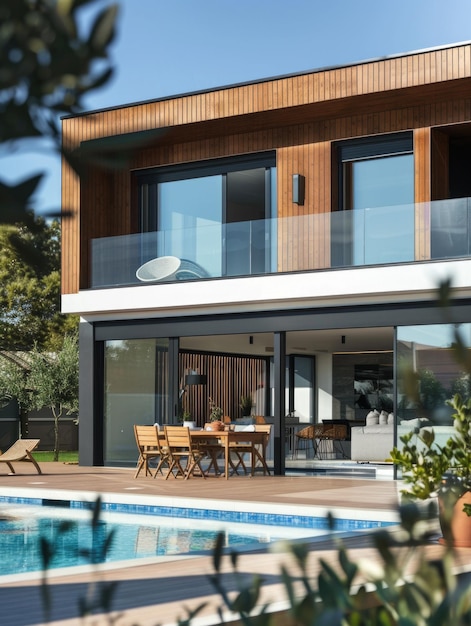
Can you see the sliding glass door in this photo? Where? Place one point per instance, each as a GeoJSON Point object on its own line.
{"type": "Point", "coordinates": [135, 392]}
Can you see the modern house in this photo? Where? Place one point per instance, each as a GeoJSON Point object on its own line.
{"type": "Point", "coordinates": [282, 239]}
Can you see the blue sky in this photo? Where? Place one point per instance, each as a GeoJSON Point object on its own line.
{"type": "Point", "coordinates": [166, 47]}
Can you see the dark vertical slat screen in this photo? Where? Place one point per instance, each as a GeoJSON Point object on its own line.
{"type": "Point", "coordinates": [228, 378]}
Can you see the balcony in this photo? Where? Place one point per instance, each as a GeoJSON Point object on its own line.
{"type": "Point", "coordinates": [378, 236]}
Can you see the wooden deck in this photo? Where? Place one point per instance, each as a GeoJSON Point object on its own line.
{"type": "Point", "coordinates": [157, 593]}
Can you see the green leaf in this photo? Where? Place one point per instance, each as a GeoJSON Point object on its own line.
{"type": "Point", "coordinates": [103, 30]}
{"type": "Point", "coordinates": [218, 551]}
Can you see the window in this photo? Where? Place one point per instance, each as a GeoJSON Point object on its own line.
{"type": "Point", "coordinates": [429, 372]}
{"type": "Point", "coordinates": [216, 214]}
{"type": "Point", "coordinates": [376, 201]}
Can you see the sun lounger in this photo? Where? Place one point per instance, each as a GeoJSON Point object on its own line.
{"type": "Point", "coordinates": [20, 451]}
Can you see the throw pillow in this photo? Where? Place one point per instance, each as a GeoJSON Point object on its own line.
{"type": "Point", "coordinates": [372, 418]}
{"type": "Point", "coordinates": [383, 417]}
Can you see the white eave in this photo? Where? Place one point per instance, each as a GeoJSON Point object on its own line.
{"type": "Point", "coordinates": [340, 287]}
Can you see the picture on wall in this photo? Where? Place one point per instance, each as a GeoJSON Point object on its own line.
{"type": "Point", "coordinates": [373, 387]}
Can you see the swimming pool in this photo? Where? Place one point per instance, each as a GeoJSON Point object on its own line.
{"type": "Point", "coordinates": [151, 531]}
{"type": "Point", "coordinates": [77, 543]}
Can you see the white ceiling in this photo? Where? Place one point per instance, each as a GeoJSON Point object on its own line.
{"type": "Point", "coordinates": [297, 342]}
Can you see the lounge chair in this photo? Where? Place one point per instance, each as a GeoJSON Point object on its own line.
{"type": "Point", "coordinates": [20, 451]}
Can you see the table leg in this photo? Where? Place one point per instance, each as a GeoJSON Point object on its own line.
{"type": "Point", "coordinates": [226, 457]}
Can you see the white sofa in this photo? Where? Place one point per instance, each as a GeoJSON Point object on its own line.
{"type": "Point", "coordinates": [374, 442]}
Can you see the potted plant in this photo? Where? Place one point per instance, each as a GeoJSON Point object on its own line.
{"type": "Point", "coordinates": [216, 415]}
{"type": "Point", "coordinates": [246, 404]}
{"type": "Point", "coordinates": [430, 470]}
{"type": "Point", "coordinates": [187, 421]}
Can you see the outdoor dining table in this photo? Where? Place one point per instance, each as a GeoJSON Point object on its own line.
{"type": "Point", "coordinates": [227, 438]}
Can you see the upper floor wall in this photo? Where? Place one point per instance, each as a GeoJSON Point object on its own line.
{"type": "Point", "coordinates": [303, 119]}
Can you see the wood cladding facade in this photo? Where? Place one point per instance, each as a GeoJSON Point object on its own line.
{"type": "Point", "coordinates": [300, 117]}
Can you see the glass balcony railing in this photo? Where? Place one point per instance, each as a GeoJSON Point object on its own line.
{"type": "Point", "coordinates": [383, 235]}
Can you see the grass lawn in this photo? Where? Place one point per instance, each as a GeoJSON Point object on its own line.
{"type": "Point", "coordinates": [64, 457]}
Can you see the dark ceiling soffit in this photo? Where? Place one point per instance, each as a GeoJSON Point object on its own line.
{"type": "Point", "coordinates": [367, 316]}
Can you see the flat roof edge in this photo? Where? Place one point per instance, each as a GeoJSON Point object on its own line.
{"type": "Point", "coordinates": [266, 80]}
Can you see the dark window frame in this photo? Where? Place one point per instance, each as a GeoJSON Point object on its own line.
{"type": "Point", "coordinates": [199, 169]}
{"type": "Point", "coordinates": [373, 147]}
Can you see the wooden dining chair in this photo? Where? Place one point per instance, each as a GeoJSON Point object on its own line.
{"type": "Point", "coordinates": [150, 444]}
{"type": "Point", "coordinates": [261, 460]}
{"type": "Point", "coordinates": [214, 449]}
{"type": "Point", "coordinates": [238, 450]}
{"type": "Point", "coordinates": [185, 457]}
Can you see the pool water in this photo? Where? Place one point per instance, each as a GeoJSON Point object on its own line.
{"type": "Point", "coordinates": [135, 537]}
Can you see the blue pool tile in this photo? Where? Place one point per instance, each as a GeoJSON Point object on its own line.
{"type": "Point", "coordinates": [246, 517]}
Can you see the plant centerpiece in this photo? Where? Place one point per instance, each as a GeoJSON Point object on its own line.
{"type": "Point", "coordinates": [430, 470]}
{"type": "Point", "coordinates": [186, 420]}
{"type": "Point", "coordinates": [215, 416]}
{"type": "Point", "coordinates": [246, 405]}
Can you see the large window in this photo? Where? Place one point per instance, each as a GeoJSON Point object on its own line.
{"type": "Point", "coordinates": [429, 372]}
{"type": "Point", "coordinates": [215, 214]}
{"type": "Point", "coordinates": [375, 223]}
{"type": "Point", "coordinates": [135, 392]}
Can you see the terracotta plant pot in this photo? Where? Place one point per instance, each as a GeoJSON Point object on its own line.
{"type": "Point", "coordinates": [216, 425]}
{"type": "Point", "coordinates": [457, 531]}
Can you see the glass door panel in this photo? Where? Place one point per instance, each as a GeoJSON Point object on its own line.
{"type": "Point", "coordinates": [136, 392]}
{"type": "Point", "coordinates": [190, 217]}
{"type": "Point", "coordinates": [380, 194]}
{"type": "Point", "coordinates": [247, 193]}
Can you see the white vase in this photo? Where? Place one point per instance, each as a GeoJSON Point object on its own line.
{"type": "Point", "coordinates": [190, 424]}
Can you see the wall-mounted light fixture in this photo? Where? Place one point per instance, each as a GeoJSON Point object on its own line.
{"type": "Point", "coordinates": [299, 184]}
{"type": "Point", "coordinates": [193, 378]}
{"type": "Point", "coordinates": [343, 338]}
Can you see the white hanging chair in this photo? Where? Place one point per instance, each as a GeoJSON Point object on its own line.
{"type": "Point", "coordinates": [169, 268]}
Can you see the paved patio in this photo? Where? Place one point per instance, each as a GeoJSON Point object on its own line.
{"type": "Point", "coordinates": [157, 593]}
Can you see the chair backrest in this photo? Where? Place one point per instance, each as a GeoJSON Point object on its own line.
{"type": "Point", "coordinates": [260, 419]}
{"type": "Point", "coordinates": [308, 432]}
{"type": "Point", "coordinates": [324, 431]}
{"type": "Point", "coordinates": [244, 427]}
{"type": "Point", "coordinates": [340, 431]}
{"type": "Point", "coordinates": [178, 437]}
{"type": "Point", "coordinates": [147, 437]}
{"type": "Point", "coordinates": [20, 447]}
{"type": "Point", "coordinates": [264, 428]}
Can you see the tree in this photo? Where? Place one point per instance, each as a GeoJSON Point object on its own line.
{"type": "Point", "coordinates": [48, 63]}
{"type": "Point", "coordinates": [30, 287]}
{"type": "Point", "coordinates": [41, 379]}
{"type": "Point", "coordinates": [53, 382]}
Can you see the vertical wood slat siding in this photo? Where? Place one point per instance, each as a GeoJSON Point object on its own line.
{"type": "Point", "coordinates": [116, 209]}
{"type": "Point", "coordinates": [303, 242]}
{"type": "Point", "coordinates": [368, 78]}
{"type": "Point", "coordinates": [228, 378]}
{"type": "Point", "coordinates": [422, 187]}
{"type": "Point", "coordinates": [302, 140]}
